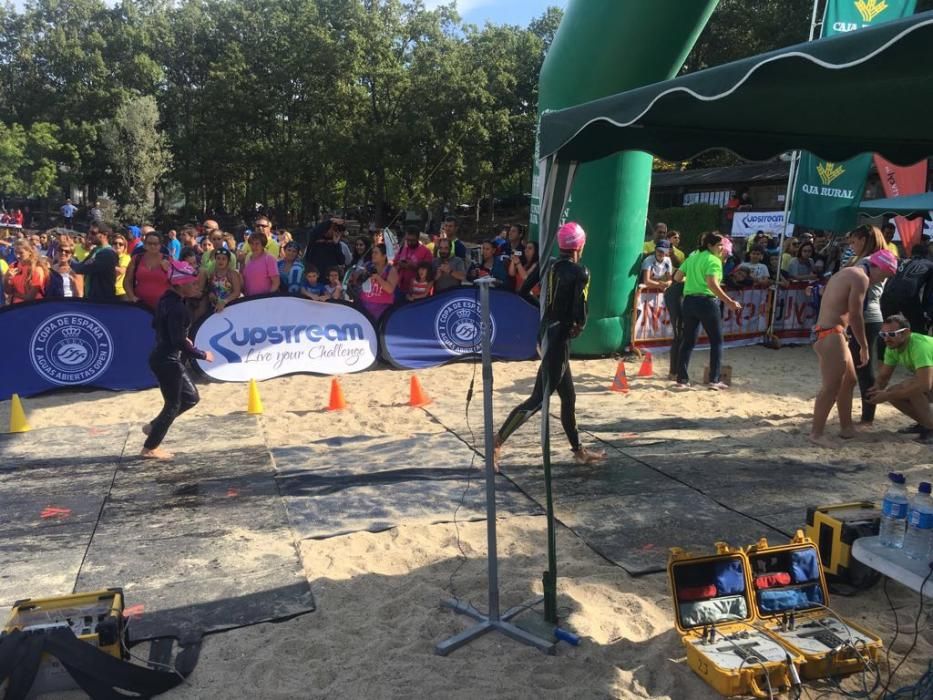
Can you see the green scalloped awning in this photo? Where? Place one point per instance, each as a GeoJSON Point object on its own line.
{"type": "Point", "coordinates": [866, 91]}
{"type": "Point", "coordinates": [908, 204]}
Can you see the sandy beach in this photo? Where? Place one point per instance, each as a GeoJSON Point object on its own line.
{"type": "Point", "coordinates": [378, 615]}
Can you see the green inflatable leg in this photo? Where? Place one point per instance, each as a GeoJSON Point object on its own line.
{"type": "Point", "coordinates": [603, 47]}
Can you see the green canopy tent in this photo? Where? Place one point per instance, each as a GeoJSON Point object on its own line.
{"type": "Point", "coordinates": [811, 96]}
{"type": "Point", "coordinates": [905, 206]}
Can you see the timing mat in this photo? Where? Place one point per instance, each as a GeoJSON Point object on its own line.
{"type": "Point", "coordinates": [199, 544]}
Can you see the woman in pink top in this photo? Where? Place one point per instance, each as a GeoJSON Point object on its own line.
{"type": "Point", "coordinates": [261, 271]}
{"type": "Point", "coordinates": [378, 288]}
{"type": "Point", "coordinates": [146, 278]}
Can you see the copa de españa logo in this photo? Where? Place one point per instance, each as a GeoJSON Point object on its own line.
{"type": "Point", "coordinates": [71, 348]}
{"type": "Point", "coordinates": [458, 327]}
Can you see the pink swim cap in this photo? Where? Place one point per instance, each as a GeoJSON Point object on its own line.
{"type": "Point", "coordinates": [884, 260]}
{"type": "Point", "coordinates": [181, 273]}
{"type": "Point", "coordinates": [727, 246]}
{"type": "Point", "coordinates": [571, 236]}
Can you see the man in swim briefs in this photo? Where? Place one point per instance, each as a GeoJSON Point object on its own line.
{"type": "Point", "coordinates": [841, 307]}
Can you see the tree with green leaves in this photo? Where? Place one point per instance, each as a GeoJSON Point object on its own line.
{"type": "Point", "coordinates": [30, 158]}
{"type": "Point", "coordinates": [138, 154]}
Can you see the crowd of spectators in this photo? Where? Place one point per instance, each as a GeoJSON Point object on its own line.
{"type": "Point", "coordinates": [374, 272]}
{"type": "Point", "coordinates": [805, 258]}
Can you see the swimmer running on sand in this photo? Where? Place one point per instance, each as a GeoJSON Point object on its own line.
{"type": "Point", "coordinates": [567, 284]}
{"type": "Point", "coordinates": [172, 323]}
{"type": "Point", "coordinates": [841, 307]}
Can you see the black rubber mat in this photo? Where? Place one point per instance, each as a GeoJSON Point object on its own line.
{"type": "Point", "coordinates": [199, 544]}
{"type": "Point", "coordinates": [53, 483]}
{"type": "Point", "coordinates": [375, 490]}
{"type": "Point", "coordinates": [632, 514]}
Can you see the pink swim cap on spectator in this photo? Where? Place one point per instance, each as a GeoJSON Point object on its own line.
{"type": "Point", "coordinates": [181, 273]}
{"type": "Point", "coordinates": [571, 236]}
{"type": "Point", "coordinates": [727, 246]}
{"type": "Point", "coordinates": [884, 260]}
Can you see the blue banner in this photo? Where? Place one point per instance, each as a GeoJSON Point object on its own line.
{"type": "Point", "coordinates": [446, 327]}
{"type": "Point", "coordinates": [71, 342]}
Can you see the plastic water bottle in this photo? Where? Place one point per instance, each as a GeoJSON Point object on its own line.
{"type": "Point", "coordinates": [894, 512]}
{"type": "Point", "coordinates": [918, 540]}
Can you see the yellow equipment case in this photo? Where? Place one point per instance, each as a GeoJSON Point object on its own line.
{"type": "Point", "coordinates": [834, 529]}
{"type": "Point", "coordinates": [95, 618]}
{"type": "Point", "coordinates": [715, 617]}
{"type": "Point", "coordinates": [790, 600]}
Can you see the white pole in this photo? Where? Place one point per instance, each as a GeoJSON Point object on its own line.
{"type": "Point", "coordinates": [792, 177]}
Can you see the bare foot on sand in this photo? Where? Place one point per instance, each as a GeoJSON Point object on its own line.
{"type": "Point", "coordinates": [848, 433]}
{"type": "Point", "coordinates": [821, 440]}
{"type": "Point", "coordinates": [147, 429]}
{"type": "Point", "coordinates": [585, 456]}
{"type": "Point", "coordinates": [155, 453]}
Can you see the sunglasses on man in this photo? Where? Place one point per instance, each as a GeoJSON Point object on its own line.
{"type": "Point", "coordinates": [893, 334]}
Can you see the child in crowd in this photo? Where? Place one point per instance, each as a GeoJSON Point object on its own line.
{"type": "Point", "coordinates": [423, 284]}
{"type": "Point", "coordinates": [333, 289]}
{"type": "Point", "coordinates": [755, 269]}
{"type": "Point", "coordinates": [740, 278]}
{"type": "Point", "coordinates": [190, 256]}
{"type": "Point", "coordinates": [312, 287]}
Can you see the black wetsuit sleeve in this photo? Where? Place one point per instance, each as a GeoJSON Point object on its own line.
{"type": "Point", "coordinates": [581, 305]}
{"type": "Point", "coordinates": [927, 286]}
{"type": "Point", "coordinates": [176, 325]}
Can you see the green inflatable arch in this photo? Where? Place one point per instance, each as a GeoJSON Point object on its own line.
{"type": "Point", "coordinates": [603, 47]}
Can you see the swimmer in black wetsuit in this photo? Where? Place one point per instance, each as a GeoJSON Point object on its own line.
{"type": "Point", "coordinates": [172, 322]}
{"type": "Point", "coordinates": [565, 290]}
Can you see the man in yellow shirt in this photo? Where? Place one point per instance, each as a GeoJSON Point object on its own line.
{"type": "Point", "coordinates": [81, 252]}
{"type": "Point", "coordinates": [888, 231]}
{"type": "Point", "coordinates": [660, 233]}
{"type": "Point", "coordinates": [261, 225]}
{"type": "Point", "coordinates": [677, 255]}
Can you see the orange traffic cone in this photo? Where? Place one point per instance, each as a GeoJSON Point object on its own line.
{"type": "Point", "coordinates": [418, 395]}
{"type": "Point", "coordinates": [337, 402]}
{"type": "Point", "coordinates": [647, 366]}
{"type": "Point", "coordinates": [620, 382]}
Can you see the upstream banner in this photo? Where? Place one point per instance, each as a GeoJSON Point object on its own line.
{"type": "Point", "coordinates": [271, 336]}
{"type": "Point", "coordinates": [796, 315]}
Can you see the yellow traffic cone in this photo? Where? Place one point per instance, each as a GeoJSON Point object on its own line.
{"type": "Point", "coordinates": [254, 405]}
{"type": "Point", "coordinates": [18, 423]}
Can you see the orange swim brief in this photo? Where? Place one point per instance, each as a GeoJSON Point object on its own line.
{"type": "Point", "coordinates": [819, 333]}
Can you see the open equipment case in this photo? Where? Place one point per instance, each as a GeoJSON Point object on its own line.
{"type": "Point", "coordinates": [95, 618]}
{"type": "Point", "coordinates": [756, 620]}
{"type": "Point", "coordinates": [792, 605]}
{"type": "Point", "coordinates": [715, 618]}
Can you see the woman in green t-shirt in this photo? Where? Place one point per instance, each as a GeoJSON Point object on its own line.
{"type": "Point", "coordinates": [702, 273]}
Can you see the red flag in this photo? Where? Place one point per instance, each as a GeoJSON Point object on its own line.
{"type": "Point", "coordinates": [900, 182]}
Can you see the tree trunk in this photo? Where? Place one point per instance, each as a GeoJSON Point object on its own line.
{"type": "Point", "coordinates": [381, 196]}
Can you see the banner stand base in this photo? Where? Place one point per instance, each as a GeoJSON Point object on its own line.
{"type": "Point", "coordinates": [492, 621]}
{"type": "Point", "coordinates": [485, 624]}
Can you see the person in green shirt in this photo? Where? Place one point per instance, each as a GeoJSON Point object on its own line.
{"type": "Point", "coordinates": [702, 275]}
{"type": "Point", "coordinates": [914, 352]}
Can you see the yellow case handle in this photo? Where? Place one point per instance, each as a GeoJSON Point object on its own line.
{"type": "Point", "coordinates": [756, 689]}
